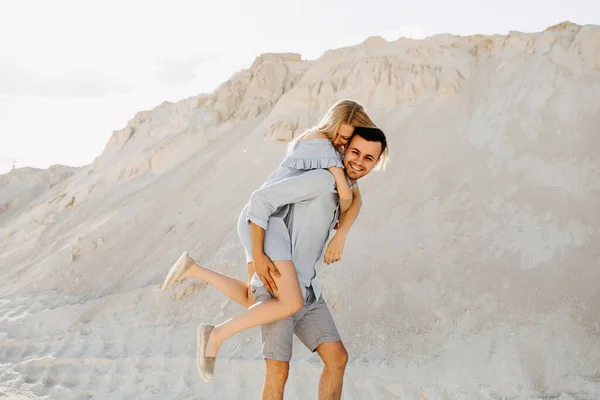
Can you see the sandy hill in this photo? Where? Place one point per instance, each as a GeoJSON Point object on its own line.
{"type": "Point", "coordinates": [472, 271]}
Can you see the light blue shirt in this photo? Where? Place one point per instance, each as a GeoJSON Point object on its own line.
{"type": "Point", "coordinates": [308, 203]}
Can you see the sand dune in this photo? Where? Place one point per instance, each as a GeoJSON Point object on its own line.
{"type": "Point", "coordinates": [471, 273]}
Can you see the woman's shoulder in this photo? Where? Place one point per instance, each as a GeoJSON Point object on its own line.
{"type": "Point", "coordinates": [314, 153]}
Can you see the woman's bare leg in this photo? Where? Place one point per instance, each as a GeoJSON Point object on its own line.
{"type": "Point", "coordinates": [287, 301]}
{"type": "Point", "coordinates": [236, 289]}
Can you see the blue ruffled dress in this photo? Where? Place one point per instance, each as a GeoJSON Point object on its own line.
{"type": "Point", "coordinates": [305, 155]}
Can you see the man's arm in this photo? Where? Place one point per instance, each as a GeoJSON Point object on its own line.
{"type": "Point", "coordinates": [266, 200]}
{"type": "Point", "coordinates": [262, 264]}
{"type": "Point", "coordinates": [296, 189]}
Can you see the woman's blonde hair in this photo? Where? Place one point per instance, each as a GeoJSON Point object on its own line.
{"type": "Point", "coordinates": [345, 111]}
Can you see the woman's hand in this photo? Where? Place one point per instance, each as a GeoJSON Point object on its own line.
{"type": "Point", "coordinates": [335, 248]}
{"type": "Point", "coordinates": [265, 269]}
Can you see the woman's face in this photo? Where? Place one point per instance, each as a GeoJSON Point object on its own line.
{"type": "Point", "coordinates": [343, 135]}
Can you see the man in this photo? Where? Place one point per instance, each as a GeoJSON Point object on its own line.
{"type": "Point", "coordinates": [312, 214]}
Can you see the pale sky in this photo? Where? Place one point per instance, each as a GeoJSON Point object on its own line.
{"type": "Point", "coordinates": [73, 71]}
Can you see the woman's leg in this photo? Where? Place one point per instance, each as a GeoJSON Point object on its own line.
{"type": "Point", "coordinates": [236, 289]}
{"type": "Point", "coordinates": [287, 301]}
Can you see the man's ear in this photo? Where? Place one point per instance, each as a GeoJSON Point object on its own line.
{"type": "Point", "coordinates": [377, 165]}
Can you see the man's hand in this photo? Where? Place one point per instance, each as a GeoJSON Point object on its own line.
{"type": "Point", "coordinates": [266, 270]}
{"type": "Point", "coordinates": [335, 248]}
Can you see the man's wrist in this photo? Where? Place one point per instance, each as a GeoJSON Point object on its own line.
{"type": "Point", "coordinates": [257, 253]}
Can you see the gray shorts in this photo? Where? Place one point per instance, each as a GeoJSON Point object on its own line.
{"type": "Point", "coordinates": [313, 325]}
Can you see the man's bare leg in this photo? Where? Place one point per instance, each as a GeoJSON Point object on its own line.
{"type": "Point", "coordinates": [275, 379]}
{"type": "Point", "coordinates": [236, 289]}
{"type": "Point", "coordinates": [335, 358]}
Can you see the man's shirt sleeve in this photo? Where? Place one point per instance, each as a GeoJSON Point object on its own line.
{"type": "Point", "coordinates": [296, 189]}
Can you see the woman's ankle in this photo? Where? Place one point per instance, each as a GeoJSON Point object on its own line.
{"type": "Point", "coordinates": [214, 343]}
{"type": "Point", "coordinates": [216, 336]}
{"type": "Point", "coordinates": [196, 271]}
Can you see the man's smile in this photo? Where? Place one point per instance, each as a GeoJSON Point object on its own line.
{"type": "Point", "coordinates": [355, 167]}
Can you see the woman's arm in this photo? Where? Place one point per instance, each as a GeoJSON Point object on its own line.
{"type": "Point", "coordinates": [343, 189]}
{"type": "Point", "coordinates": [335, 248]}
{"type": "Point", "coordinates": [347, 220]}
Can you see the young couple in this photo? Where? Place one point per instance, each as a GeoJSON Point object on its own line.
{"type": "Point", "coordinates": [284, 229]}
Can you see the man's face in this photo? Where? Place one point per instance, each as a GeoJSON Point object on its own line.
{"type": "Point", "coordinates": [361, 156]}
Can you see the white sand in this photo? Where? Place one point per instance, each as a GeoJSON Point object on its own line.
{"type": "Point", "coordinates": [472, 272]}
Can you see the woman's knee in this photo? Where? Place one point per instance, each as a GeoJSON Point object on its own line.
{"type": "Point", "coordinates": [288, 293]}
{"type": "Point", "coordinates": [290, 304]}
{"type": "Point", "coordinates": [296, 303]}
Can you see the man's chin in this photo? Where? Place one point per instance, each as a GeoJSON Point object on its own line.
{"type": "Point", "coordinates": [353, 175]}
